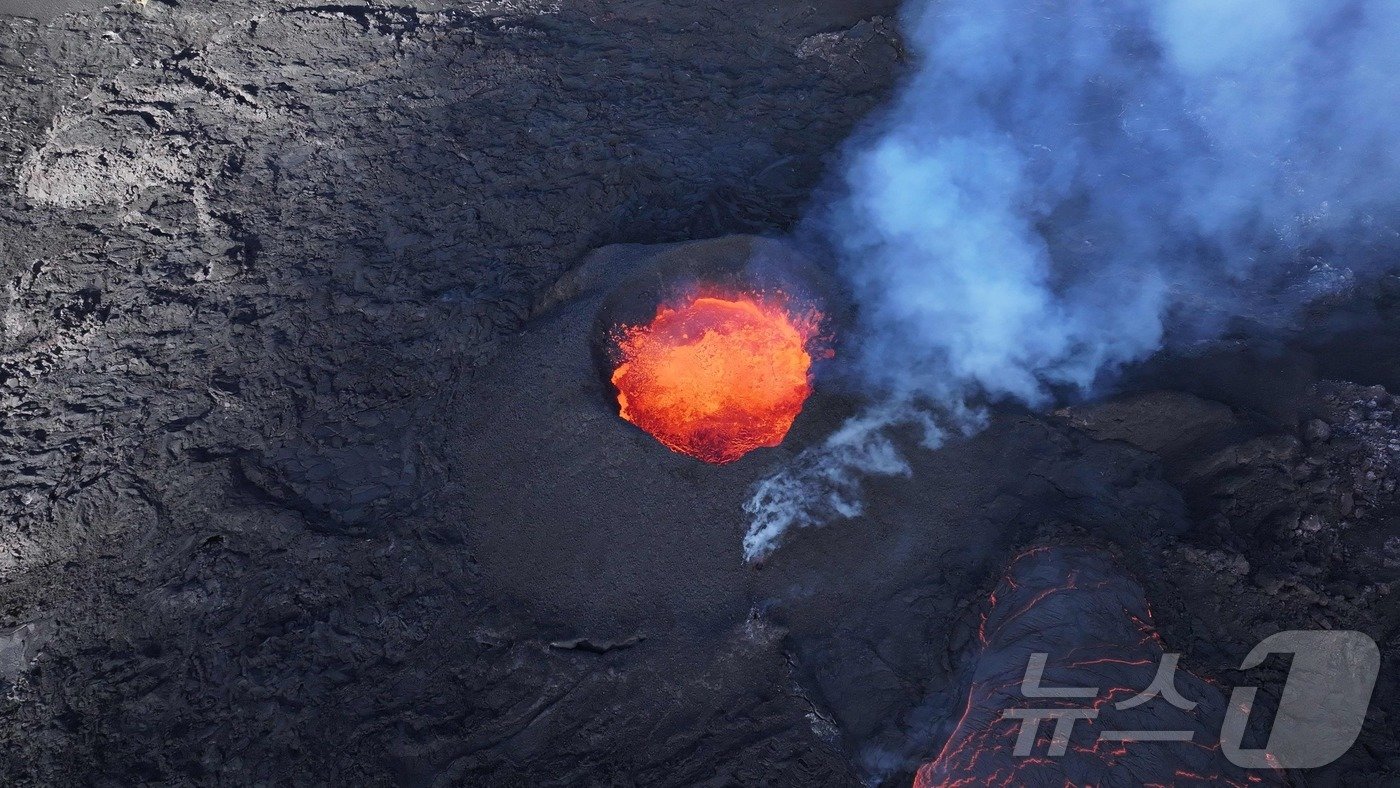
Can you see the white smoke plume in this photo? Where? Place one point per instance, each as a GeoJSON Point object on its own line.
{"type": "Point", "coordinates": [1059, 183]}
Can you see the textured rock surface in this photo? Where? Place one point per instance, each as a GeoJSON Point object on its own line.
{"type": "Point", "coordinates": [251, 251]}
{"type": "Point", "coordinates": [305, 476]}
{"type": "Point", "coordinates": [1095, 632]}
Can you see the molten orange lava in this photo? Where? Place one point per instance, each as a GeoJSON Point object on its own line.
{"type": "Point", "coordinates": [716, 377]}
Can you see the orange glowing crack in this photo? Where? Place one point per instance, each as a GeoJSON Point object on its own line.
{"type": "Point", "coordinates": [715, 377]}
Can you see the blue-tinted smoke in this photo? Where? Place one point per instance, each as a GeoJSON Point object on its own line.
{"type": "Point", "coordinates": [1060, 183]}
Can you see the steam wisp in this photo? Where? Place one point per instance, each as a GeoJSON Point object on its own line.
{"type": "Point", "coordinates": [1059, 186]}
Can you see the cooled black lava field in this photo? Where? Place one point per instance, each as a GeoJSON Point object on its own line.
{"type": "Point", "coordinates": [309, 474]}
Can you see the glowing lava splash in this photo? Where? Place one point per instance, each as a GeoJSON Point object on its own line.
{"type": "Point", "coordinates": [716, 376]}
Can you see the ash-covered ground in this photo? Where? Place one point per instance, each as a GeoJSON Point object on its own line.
{"type": "Point", "coordinates": [307, 477]}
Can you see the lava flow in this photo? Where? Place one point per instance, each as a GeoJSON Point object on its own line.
{"type": "Point", "coordinates": [716, 376]}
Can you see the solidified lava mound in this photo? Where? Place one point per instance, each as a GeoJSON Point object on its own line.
{"type": "Point", "coordinates": [1095, 628]}
{"type": "Point", "coordinates": [717, 376]}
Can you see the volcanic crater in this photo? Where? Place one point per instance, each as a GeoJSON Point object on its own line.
{"type": "Point", "coordinates": [313, 464]}
{"type": "Point", "coordinates": [713, 348]}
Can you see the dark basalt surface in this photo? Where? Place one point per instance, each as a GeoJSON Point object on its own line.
{"type": "Point", "coordinates": [307, 475]}
{"type": "Point", "coordinates": [1095, 632]}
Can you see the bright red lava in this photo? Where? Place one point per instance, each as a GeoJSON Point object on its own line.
{"type": "Point", "coordinates": [716, 376]}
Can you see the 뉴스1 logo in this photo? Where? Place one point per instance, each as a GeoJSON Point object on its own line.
{"type": "Point", "coordinates": [1319, 716]}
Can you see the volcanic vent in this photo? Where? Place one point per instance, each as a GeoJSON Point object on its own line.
{"type": "Point", "coordinates": [715, 357]}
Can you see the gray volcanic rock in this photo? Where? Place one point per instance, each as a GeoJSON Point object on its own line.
{"type": "Point", "coordinates": [307, 474]}
{"type": "Point", "coordinates": [253, 252]}
{"type": "Point", "coordinates": [1094, 631]}
{"type": "Point", "coordinates": [46, 9]}
{"type": "Point", "coordinates": [549, 481]}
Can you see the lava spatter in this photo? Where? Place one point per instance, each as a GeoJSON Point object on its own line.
{"type": "Point", "coordinates": [716, 376]}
